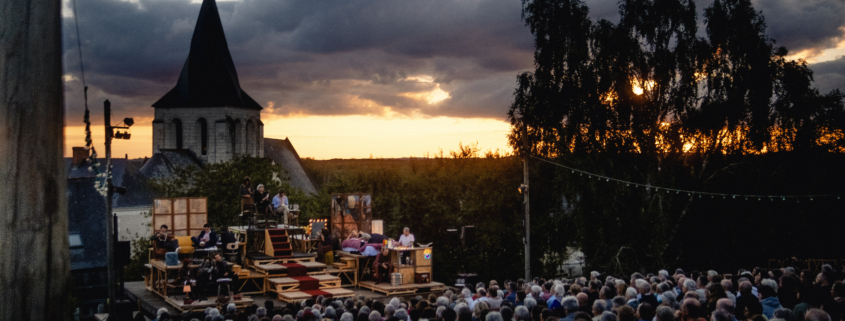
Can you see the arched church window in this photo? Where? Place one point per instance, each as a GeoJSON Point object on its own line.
{"type": "Point", "coordinates": [177, 126]}
{"type": "Point", "coordinates": [203, 132]}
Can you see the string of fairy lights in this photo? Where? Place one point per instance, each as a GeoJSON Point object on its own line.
{"type": "Point", "coordinates": [691, 193]}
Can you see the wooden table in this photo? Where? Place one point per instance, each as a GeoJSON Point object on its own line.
{"type": "Point", "coordinates": [159, 276]}
{"type": "Point", "coordinates": [422, 262]}
{"type": "Point", "coordinates": [304, 243]}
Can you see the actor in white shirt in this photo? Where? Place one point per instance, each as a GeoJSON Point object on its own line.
{"type": "Point", "coordinates": [407, 238]}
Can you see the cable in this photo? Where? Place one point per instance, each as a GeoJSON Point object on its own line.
{"type": "Point", "coordinates": [690, 193]}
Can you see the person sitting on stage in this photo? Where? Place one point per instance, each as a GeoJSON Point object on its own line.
{"type": "Point", "coordinates": [325, 243]}
{"type": "Point", "coordinates": [262, 200]}
{"type": "Point", "coordinates": [382, 266]}
{"type": "Point", "coordinates": [187, 277]}
{"type": "Point", "coordinates": [246, 189]}
{"type": "Point", "coordinates": [281, 206]}
{"type": "Point", "coordinates": [221, 270]}
{"type": "Point", "coordinates": [164, 241]}
{"type": "Point", "coordinates": [206, 239]}
{"type": "Point", "coordinates": [205, 277]}
{"type": "Point", "coordinates": [406, 239]}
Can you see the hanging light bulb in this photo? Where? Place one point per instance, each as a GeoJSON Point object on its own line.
{"type": "Point", "coordinates": [734, 196]}
{"type": "Point", "coordinates": [758, 198]}
{"type": "Point", "coordinates": [811, 198]}
{"type": "Point", "coordinates": [608, 180]}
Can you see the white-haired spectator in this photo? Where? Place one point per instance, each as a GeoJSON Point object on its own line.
{"type": "Point", "coordinates": [599, 306]}
{"type": "Point", "coordinates": [395, 301]}
{"type": "Point", "coordinates": [816, 315]}
{"type": "Point", "coordinates": [522, 314]}
{"type": "Point", "coordinates": [443, 301]}
{"type": "Point", "coordinates": [346, 316]}
{"type": "Point", "coordinates": [727, 285]}
{"type": "Point", "coordinates": [664, 313]}
{"type": "Point", "coordinates": [277, 317]}
{"type": "Point", "coordinates": [262, 312]}
{"type": "Point", "coordinates": [570, 306]}
{"type": "Point", "coordinates": [689, 285]}
{"type": "Point", "coordinates": [530, 303]}
{"type": "Point", "coordinates": [438, 312]}
{"type": "Point", "coordinates": [631, 297]}
{"type": "Point", "coordinates": [231, 308]}
{"type": "Point", "coordinates": [160, 312]}
{"type": "Point", "coordinates": [494, 316]}
{"type": "Point", "coordinates": [663, 275]}
{"type": "Point", "coordinates": [671, 299]}
{"type": "Point", "coordinates": [711, 274]}
{"type": "Point", "coordinates": [389, 310]}
{"type": "Point", "coordinates": [402, 314]}
{"type": "Point", "coordinates": [288, 317]}
{"type": "Point", "coordinates": [316, 312]}
{"type": "Point", "coordinates": [594, 275]}
{"type": "Point", "coordinates": [607, 316]}
{"type": "Point", "coordinates": [618, 301]}
{"type": "Point", "coordinates": [374, 316]}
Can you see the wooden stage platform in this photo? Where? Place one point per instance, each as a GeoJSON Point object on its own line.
{"type": "Point", "coordinates": [404, 289]}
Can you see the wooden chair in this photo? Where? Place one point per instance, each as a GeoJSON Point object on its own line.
{"type": "Point", "coordinates": [247, 211]}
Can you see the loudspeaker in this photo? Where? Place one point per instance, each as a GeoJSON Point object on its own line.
{"type": "Point", "coordinates": [452, 236]}
{"type": "Point", "coordinates": [122, 253]}
{"type": "Point", "coordinates": [123, 310]}
{"type": "Point", "coordinates": [468, 235]}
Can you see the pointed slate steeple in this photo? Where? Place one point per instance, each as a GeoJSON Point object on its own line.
{"type": "Point", "coordinates": [208, 78]}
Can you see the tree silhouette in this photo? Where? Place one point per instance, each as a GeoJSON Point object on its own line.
{"type": "Point", "coordinates": [646, 99]}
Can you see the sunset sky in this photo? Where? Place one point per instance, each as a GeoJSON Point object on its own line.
{"type": "Point", "coordinates": [354, 79]}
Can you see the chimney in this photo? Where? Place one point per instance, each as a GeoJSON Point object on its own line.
{"type": "Point", "coordinates": [80, 154]}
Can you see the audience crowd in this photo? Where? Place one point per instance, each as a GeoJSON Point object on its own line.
{"type": "Point", "coordinates": [757, 295]}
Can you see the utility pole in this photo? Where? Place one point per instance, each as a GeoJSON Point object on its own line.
{"type": "Point", "coordinates": [110, 229]}
{"type": "Point", "coordinates": [526, 152]}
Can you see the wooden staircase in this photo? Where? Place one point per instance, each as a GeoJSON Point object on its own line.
{"type": "Point", "coordinates": [277, 243]}
{"type": "Point", "coordinates": [346, 263]}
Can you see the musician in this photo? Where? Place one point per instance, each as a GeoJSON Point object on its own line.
{"type": "Point", "coordinates": [164, 241]}
{"type": "Point", "coordinates": [262, 200]}
{"type": "Point", "coordinates": [382, 266]}
{"type": "Point", "coordinates": [221, 270]}
{"type": "Point", "coordinates": [206, 239]}
{"type": "Point", "coordinates": [246, 188]}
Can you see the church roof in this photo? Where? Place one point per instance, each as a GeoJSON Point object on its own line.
{"type": "Point", "coordinates": [283, 153]}
{"type": "Point", "coordinates": [208, 78]}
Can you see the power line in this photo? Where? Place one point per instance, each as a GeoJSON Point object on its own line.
{"type": "Point", "coordinates": [690, 193]}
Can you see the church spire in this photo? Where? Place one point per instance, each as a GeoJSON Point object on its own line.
{"type": "Point", "coordinates": [208, 78]}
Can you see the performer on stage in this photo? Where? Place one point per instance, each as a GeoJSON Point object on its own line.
{"type": "Point", "coordinates": [206, 239]}
{"type": "Point", "coordinates": [355, 244]}
{"type": "Point", "coordinates": [325, 243]}
{"type": "Point", "coordinates": [262, 201]}
{"type": "Point", "coordinates": [246, 189]}
{"type": "Point", "coordinates": [281, 206]}
{"type": "Point", "coordinates": [164, 241]}
{"type": "Point", "coordinates": [406, 239]}
{"type": "Point", "coordinates": [221, 270]}
{"type": "Point", "coordinates": [382, 266]}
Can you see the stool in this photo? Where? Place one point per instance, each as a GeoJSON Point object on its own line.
{"type": "Point", "coordinates": [220, 283]}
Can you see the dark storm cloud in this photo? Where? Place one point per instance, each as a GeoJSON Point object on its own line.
{"type": "Point", "coordinates": [829, 75]}
{"type": "Point", "coordinates": [356, 57]}
{"type": "Point", "coordinates": [313, 57]}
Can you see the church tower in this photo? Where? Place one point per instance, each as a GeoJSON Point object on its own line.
{"type": "Point", "coordinates": [208, 113]}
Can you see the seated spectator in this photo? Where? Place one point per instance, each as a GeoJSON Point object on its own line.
{"type": "Point", "coordinates": [206, 239]}
{"type": "Point", "coordinates": [645, 312]}
{"type": "Point", "coordinates": [570, 306]}
{"type": "Point", "coordinates": [768, 297]}
{"type": "Point", "coordinates": [281, 206]}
